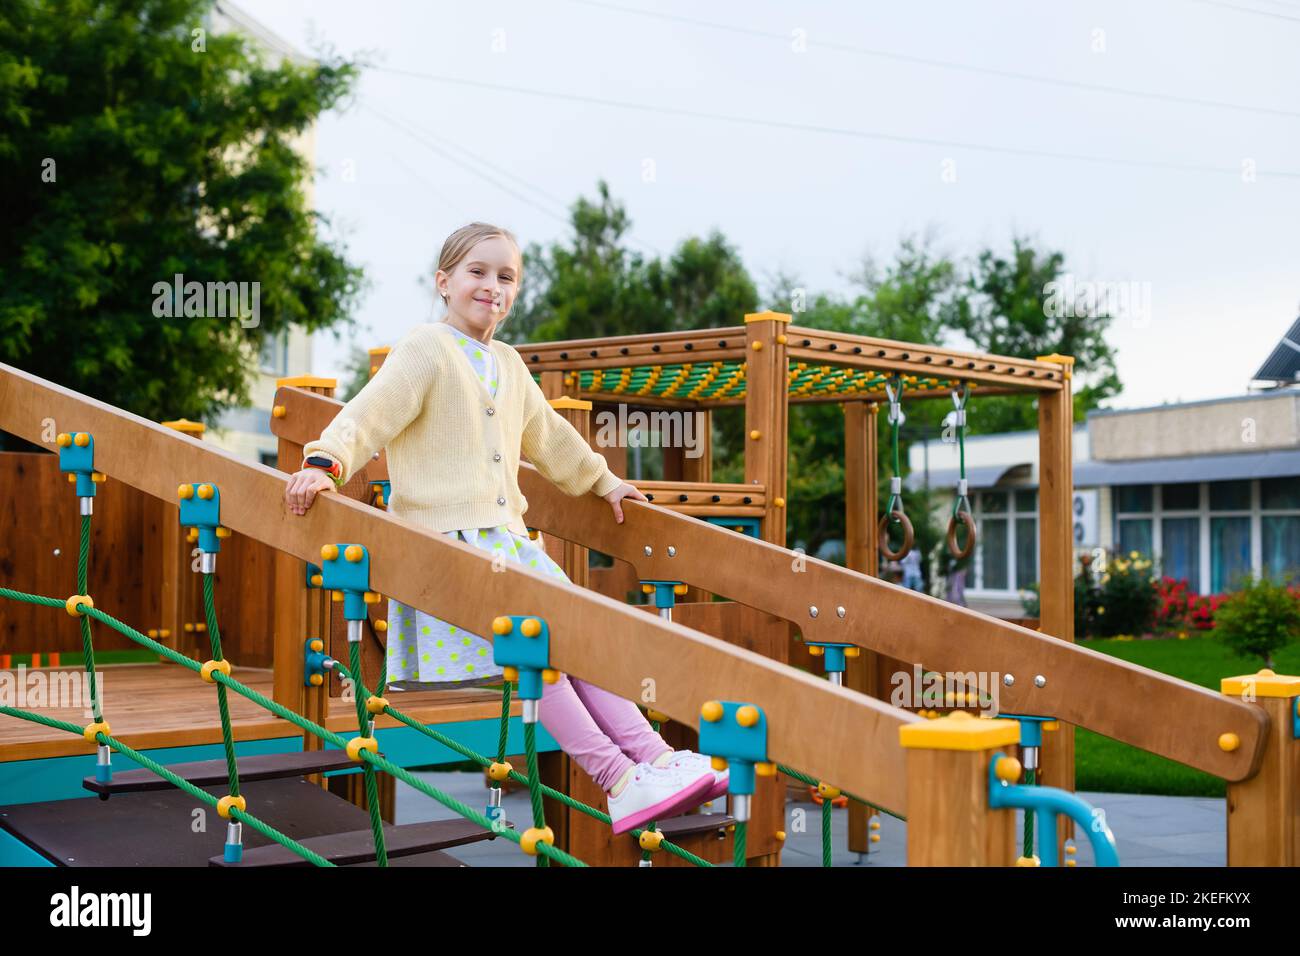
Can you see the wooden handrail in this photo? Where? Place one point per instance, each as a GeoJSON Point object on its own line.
{"type": "Point", "coordinates": [1147, 709]}
{"type": "Point", "coordinates": [826, 731]}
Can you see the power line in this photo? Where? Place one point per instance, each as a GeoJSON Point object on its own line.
{"type": "Point", "coordinates": [840, 131]}
{"type": "Point", "coordinates": [449, 144]}
{"type": "Point", "coordinates": [1241, 9]}
{"type": "Point", "coordinates": [428, 144]}
{"type": "Point", "coordinates": [426, 140]}
{"type": "Point", "coordinates": [949, 65]}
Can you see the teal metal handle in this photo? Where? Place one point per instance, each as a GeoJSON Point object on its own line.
{"type": "Point", "coordinates": [1046, 803]}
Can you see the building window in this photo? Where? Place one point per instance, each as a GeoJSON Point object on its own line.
{"type": "Point", "coordinates": [275, 354]}
{"type": "Point", "coordinates": [1006, 554]}
{"type": "Point", "coordinates": [1214, 534]}
{"type": "Point", "coordinates": [1279, 504]}
{"type": "Point", "coordinates": [1180, 550]}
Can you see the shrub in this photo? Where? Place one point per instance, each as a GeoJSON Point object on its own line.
{"type": "Point", "coordinates": [1258, 619]}
{"type": "Point", "coordinates": [1127, 600]}
{"type": "Point", "coordinates": [1173, 605]}
{"type": "Point", "coordinates": [1201, 610]}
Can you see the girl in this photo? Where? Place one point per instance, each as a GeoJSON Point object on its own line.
{"type": "Point", "coordinates": [454, 408]}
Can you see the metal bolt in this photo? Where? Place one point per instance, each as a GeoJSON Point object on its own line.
{"type": "Point", "coordinates": [672, 552]}
{"type": "Point", "coordinates": [839, 611]}
{"type": "Point", "coordinates": [648, 550]}
{"type": "Point", "coordinates": [1008, 679]}
{"type": "Point", "coordinates": [1040, 681]}
{"type": "Point", "coordinates": [812, 611]}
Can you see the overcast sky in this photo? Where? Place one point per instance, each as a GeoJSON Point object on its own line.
{"type": "Point", "coordinates": [860, 134]}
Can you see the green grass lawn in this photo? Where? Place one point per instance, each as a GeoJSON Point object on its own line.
{"type": "Point", "coordinates": [1105, 764]}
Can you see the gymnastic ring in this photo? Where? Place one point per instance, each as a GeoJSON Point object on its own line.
{"type": "Point", "coordinates": [961, 518]}
{"type": "Point", "coordinates": [882, 534]}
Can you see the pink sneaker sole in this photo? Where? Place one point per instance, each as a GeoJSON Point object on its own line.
{"type": "Point", "coordinates": [719, 789]}
{"type": "Point", "coordinates": [675, 805]}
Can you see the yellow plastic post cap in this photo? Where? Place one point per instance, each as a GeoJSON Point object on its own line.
{"type": "Point", "coordinates": [205, 491]}
{"type": "Point", "coordinates": [185, 492]}
{"type": "Point", "coordinates": [354, 553]}
{"type": "Point", "coordinates": [747, 716]}
{"type": "Point", "coordinates": [81, 439]}
{"type": "Point", "coordinates": [959, 731]}
{"type": "Point", "coordinates": [530, 627]}
{"type": "Point", "coordinates": [64, 440]}
{"type": "Point", "coordinates": [502, 625]}
{"type": "Point", "coordinates": [712, 711]}
{"type": "Point", "coordinates": [329, 552]}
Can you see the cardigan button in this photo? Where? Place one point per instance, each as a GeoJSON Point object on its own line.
{"type": "Point", "coordinates": [501, 501]}
{"type": "Point", "coordinates": [491, 411]}
{"type": "Point", "coordinates": [497, 456]}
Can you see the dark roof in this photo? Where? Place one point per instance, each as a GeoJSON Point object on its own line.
{"type": "Point", "coordinates": [1258, 464]}
{"type": "Point", "coordinates": [1283, 363]}
{"type": "Point", "coordinates": [1280, 463]}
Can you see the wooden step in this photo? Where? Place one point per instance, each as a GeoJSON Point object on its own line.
{"type": "Point", "coordinates": [358, 846]}
{"type": "Point", "coordinates": [432, 858]}
{"type": "Point", "coordinates": [157, 828]}
{"type": "Point", "coordinates": [693, 824]}
{"type": "Point", "coordinates": [207, 773]}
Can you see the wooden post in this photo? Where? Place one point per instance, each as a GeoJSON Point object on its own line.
{"type": "Point", "coordinates": [766, 415]}
{"type": "Point", "coordinates": [1262, 810]}
{"type": "Point", "coordinates": [767, 404]}
{"type": "Point", "coordinates": [578, 414]}
{"type": "Point", "coordinates": [869, 672]}
{"type": "Point", "coordinates": [1056, 564]}
{"type": "Point", "coordinates": [949, 822]}
{"type": "Point", "coordinates": [178, 594]}
{"type": "Point", "coordinates": [699, 468]}
{"type": "Point", "coordinates": [299, 613]}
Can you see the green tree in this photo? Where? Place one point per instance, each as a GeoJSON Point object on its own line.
{"type": "Point", "coordinates": [134, 148]}
{"type": "Point", "coordinates": [593, 286]}
{"type": "Point", "coordinates": [1011, 306]}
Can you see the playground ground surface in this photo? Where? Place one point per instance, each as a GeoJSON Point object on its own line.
{"type": "Point", "coordinates": [1149, 830]}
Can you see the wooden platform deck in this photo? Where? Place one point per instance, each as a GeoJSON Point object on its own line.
{"type": "Point", "coordinates": [162, 705]}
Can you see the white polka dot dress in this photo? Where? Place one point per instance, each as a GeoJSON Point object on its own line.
{"type": "Point", "coordinates": [425, 652]}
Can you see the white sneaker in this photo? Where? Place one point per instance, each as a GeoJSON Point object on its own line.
{"type": "Point", "coordinates": [653, 793]}
{"type": "Point", "coordinates": [691, 762]}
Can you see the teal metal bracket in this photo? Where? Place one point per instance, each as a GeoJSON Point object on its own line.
{"type": "Point", "coordinates": [1046, 803]}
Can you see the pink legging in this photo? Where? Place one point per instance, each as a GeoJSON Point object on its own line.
{"type": "Point", "coordinates": [604, 733]}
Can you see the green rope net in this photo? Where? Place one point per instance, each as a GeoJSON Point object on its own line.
{"type": "Point", "coordinates": [370, 762]}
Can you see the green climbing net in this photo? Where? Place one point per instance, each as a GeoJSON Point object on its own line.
{"type": "Point", "coordinates": [366, 712]}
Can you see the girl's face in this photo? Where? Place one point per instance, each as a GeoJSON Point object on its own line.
{"type": "Point", "coordinates": [480, 290]}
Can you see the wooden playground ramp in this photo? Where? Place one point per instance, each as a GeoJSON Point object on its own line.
{"type": "Point", "coordinates": [951, 778]}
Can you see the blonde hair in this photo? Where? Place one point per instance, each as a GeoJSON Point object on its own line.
{"type": "Point", "coordinates": [460, 242]}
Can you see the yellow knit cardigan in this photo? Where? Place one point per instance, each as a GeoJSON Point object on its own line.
{"type": "Point", "coordinates": [453, 449]}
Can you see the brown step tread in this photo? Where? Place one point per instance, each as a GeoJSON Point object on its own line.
{"type": "Point", "coordinates": [432, 858]}
{"type": "Point", "coordinates": [358, 846]}
{"type": "Point", "coordinates": [693, 824]}
{"type": "Point", "coordinates": [157, 828]}
{"type": "Point", "coordinates": [207, 773]}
